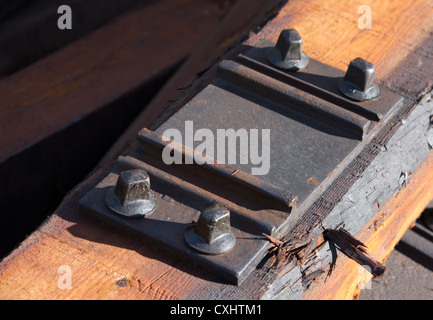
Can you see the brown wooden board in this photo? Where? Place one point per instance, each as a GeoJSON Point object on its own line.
{"type": "Point", "coordinates": [108, 264]}
{"type": "Point", "coordinates": [101, 67]}
{"type": "Point", "coordinates": [28, 29]}
{"type": "Point", "coordinates": [59, 115]}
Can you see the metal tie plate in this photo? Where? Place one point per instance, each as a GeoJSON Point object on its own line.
{"type": "Point", "coordinates": [315, 131]}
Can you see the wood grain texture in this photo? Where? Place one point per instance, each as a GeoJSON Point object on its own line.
{"type": "Point", "coordinates": [100, 257]}
{"type": "Point", "coordinates": [360, 206]}
{"type": "Point", "coordinates": [331, 35]}
{"type": "Point", "coordinates": [60, 115]}
{"type": "Point", "coordinates": [380, 235]}
{"type": "Point", "coordinates": [364, 205]}
{"type": "Point", "coordinates": [29, 29]}
{"type": "Point", "coordinates": [89, 74]}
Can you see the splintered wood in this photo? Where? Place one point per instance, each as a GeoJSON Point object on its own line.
{"type": "Point", "coordinates": [283, 251]}
{"type": "Point", "coordinates": [343, 240]}
{"type": "Point", "coordinates": [355, 250]}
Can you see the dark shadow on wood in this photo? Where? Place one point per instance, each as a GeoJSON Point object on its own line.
{"type": "Point", "coordinates": [34, 182]}
{"type": "Point", "coordinates": [29, 31]}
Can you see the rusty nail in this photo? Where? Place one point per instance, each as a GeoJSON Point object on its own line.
{"type": "Point", "coordinates": [287, 53]}
{"type": "Point", "coordinates": [212, 233]}
{"type": "Point", "coordinates": [131, 196]}
{"type": "Point", "coordinates": [359, 83]}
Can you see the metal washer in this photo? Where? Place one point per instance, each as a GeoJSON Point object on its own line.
{"type": "Point", "coordinates": [136, 209]}
{"type": "Point", "coordinates": [274, 57]}
{"type": "Point", "coordinates": [221, 245]}
{"type": "Point", "coordinates": [353, 92]}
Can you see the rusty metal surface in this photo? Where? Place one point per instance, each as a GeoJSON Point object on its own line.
{"type": "Point", "coordinates": [322, 81]}
{"type": "Point", "coordinates": [313, 127]}
{"type": "Point", "coordinates": [314, 133]}
{"type": "Point", "coordinates": [172, 217]}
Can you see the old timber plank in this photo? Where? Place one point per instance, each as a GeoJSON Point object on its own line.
{"type": "Point", "coordinates": [369, 209]}
{"type": "Point", "coordinates": [381, 234]}
{"type": "Point", "coordinates": [74, 82]}
{"type": "Point", "coordinates": [60, 115]}
{"type": "Point", "coordinates": [100, 257]}
{"type": "Point", "coordinates": [29, 30]}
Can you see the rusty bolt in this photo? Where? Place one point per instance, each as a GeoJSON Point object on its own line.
{"type": "Point", "coordinates": [359, 83]}
{"type": "Point", "coordinates": [212, 233]}
{"type": "Point", "coordinates": [132, 196]}
{"type": "Point", "coordinates": [287, 53]}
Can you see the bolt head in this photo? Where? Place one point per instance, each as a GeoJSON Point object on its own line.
{"type": "Point", "coordinates": [212, 234]}
{"type": "Point", "coordinates": [287, 53]}
{"type": "Point", "coordinates": [132, 185]}
{"type": "Point", "coordinates": [213, 222]}
{"type": "Point", "coordinates": [359, 83]}
{"type": "Point", "coordinates": [132, 196]}
{"type": "Point", "coordinates": [361, 73]}
{"type": "Point", "coordinates": [289, 45]}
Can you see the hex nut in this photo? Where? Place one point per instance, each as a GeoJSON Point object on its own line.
{"type": "Point", "coordinates": [212, 233]}
{"type": "Point", "coordinates": [132, 197]}
{"type": "Point", "coordinates": [359, 83]}
{"type": "Point", "coordinates": [287, 53]}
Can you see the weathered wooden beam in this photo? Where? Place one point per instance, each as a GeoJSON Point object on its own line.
{"type": "Point", "coordinates": [104, 260]}
{"type": "Point", "coordinates": [59, 115]}
{"type": "Point", "coordinates": [355, 250]}
{"type": "Point", "coordinates": [28, 29]}
{"type": "Point", "coordinates": [96, 70]}
{"type": "Point", "coordinates": [367, 207]}
{"type": "Point", "coordinates": [380, 235]}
